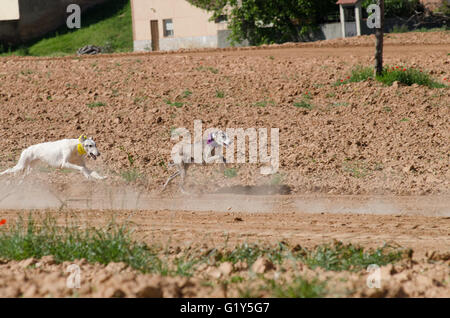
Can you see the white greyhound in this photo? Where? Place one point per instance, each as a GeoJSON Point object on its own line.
{"type": "Point", "coordinates": [213, 144]}
{"type": "Point", "coordinates": [65, 153]}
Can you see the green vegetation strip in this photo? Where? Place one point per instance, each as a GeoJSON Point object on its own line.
{"type": "Point", "coordinates": [113, 243]}
{"type": "Point", "coordinates": [391, 74]}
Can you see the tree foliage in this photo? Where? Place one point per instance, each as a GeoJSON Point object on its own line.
{"type": "Point", "coordinates": [398, 8]}
{"type": "Point", "coordinates": [275, 21]}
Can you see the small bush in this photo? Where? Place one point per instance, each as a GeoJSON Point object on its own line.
{"type": "Point", "coordinates": [391, 74]}
{"type": "Point", "coordinates": [407, 76]}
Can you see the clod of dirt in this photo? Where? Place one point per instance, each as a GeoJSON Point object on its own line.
{"type": "Point", "coordinates": [262, 265]}
{"type": "Point", "coordinates": [226, 268]}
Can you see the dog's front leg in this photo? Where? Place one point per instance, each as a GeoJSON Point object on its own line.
{"type": "Point", "coordinates": [95, 175]}
{"type": "Point", "coordinates": [85, 171]}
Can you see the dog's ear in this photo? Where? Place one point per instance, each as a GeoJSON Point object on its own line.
{"type": "Point", "coordinates": [82, 138]}
{"type": "Point", "coordinates": [214, 135]}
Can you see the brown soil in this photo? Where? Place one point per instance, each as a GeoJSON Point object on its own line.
{"type": "Point", "coordinates": [368, 164]}
{"type": "Point", "coordinates": [426, 274]}
{"type": "Point", "coordinates": [360, 138]}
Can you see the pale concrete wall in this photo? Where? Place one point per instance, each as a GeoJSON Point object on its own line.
{"type": "Point", "coordinates": [9, 10]}
{"type": "Point", "coordinates": [191, 25]}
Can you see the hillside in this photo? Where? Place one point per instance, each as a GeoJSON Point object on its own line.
{"type": "Point", "coordinates": [107, 25]}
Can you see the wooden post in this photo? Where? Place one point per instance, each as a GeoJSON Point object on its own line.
{"type": "Point", "coordinates": [379, 41]}
{"type": "Point", "coordinates": [342, 14]}
{"type": "Point", "coordinates": [358, 18]}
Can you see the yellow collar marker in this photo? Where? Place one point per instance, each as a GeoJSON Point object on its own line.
{"type": "Point", "coordinates": [80, 147]}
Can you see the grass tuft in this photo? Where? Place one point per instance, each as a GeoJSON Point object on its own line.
{"type": "Point", "coordinates": [349, 257]}
{"type": "Point", "coordinates": [96, 104]}
{"type": "Point", "coordinates": [298, 288]}
{"type": "Point", "coordinates": [26, 239]}
{"type": "Point", "coordinates": [391, 74]}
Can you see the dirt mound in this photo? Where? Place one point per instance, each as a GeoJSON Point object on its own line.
{"type": "Point", "coordinates": [44, 278]}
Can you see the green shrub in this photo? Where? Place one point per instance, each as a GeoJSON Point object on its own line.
{"type": "Point", "coordinates": [391, 74]}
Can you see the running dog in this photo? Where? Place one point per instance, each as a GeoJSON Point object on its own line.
{"type": "Point", "coordinates": [65, 153]}
{"type": "Point", "coordinates": [214, 144]}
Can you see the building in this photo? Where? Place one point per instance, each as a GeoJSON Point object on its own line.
{"type": "Point", "coordinates": [25, 20]}
{"type": "Point", "coordinates": [9, 10]}
{"type": "Point", "coordinates": [174, 24]}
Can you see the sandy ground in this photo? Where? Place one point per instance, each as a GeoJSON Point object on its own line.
{"type": "Point", "coordinates": [369, 164]}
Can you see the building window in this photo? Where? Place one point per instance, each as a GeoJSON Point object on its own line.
{"type": "Point", "coordinates": [168, 27]}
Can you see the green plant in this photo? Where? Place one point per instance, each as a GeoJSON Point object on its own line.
{"type": "Point", "coordinates": [187, 93]}
{"type": "Point", "coordinates": [230, 172]}
{"type": "Point", "coordinates": [407, 76]}
{"type": "Point", "coordinates": [175, 104]}
{"type": "Point", "coordinates": [398, 8]}
{"type": "Point", "coordinates": [26, 239]}
{"type": "Point", "coordinates": [131, 175]}
{"type": "Point", "coordinates": [355, 168]}
{"type": "Point", "coordinates": [349, 257]}
{"type": "Point", "coordinates": [289, 20]}
{"type": "Point", "coordinates": [299, 287]}
{"type": "Point", "coordinates": [249, 253]}
{"type": "Point", "coordinates": [264, 103]}
{"type": "Point", "coordinates": [303, 104]}
{"type": "Point", "coordinates": [208, 68]}
{"type": "Point", "coordinates": [276, 179]}
{"type": "Point", "coordinates": [95, 104]}
{"type": "Point", "coordinates": [129, 156]}
{"type": "Point", "coordinates": [220, 94]}
{"type": "Point", "coordinates": [391, 74]}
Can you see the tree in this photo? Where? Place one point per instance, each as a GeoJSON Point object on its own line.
{"type": "Point", "coordinates": [275, 21]}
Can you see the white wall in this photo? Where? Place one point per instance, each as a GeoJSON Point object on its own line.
{"type": "Point", "coordinates": [9, 10]}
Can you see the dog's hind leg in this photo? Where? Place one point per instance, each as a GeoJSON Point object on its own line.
{"type": "Point", "coordinates": [183, 176]}
{"type": "Point", "coordinates": [171, 178]}
{"type": "Point", "coordinates": [22, 164]}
